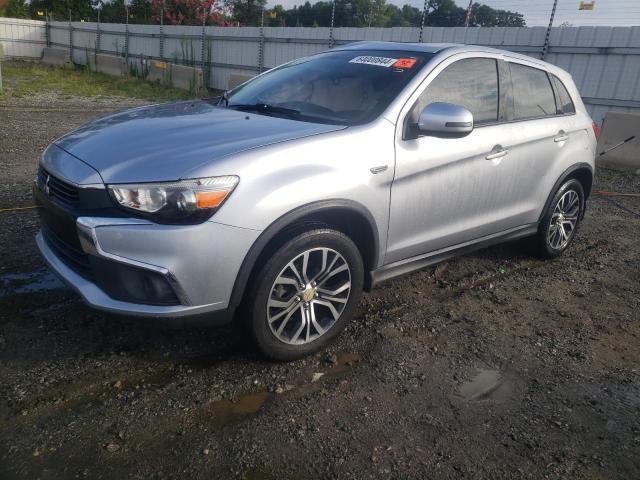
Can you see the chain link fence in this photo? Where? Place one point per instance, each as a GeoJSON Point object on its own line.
{"type": "Point", "coordinates": [604, 60]}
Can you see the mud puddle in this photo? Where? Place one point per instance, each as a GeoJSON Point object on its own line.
{"type": "Point", "coordinates": [29, 282]}
{"type": "Point", "coordinates": [487, 384]}
{"type": "Point", "coordinates": [227, 412]}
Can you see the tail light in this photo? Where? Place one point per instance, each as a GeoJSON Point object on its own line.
{"type": "Point", "coordinates": [596, 129]}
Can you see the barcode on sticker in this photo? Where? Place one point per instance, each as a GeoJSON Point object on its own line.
{"type": "Point", "coordinates": [377, 61]}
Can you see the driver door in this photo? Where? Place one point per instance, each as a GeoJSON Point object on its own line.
{"type": "Point", "coordinates": [443, 190]}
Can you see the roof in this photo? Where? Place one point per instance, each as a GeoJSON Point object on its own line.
{"type": "Point", "coordinates": [439, 47]}
{"type": "Point", "coordinates": [396, 46]}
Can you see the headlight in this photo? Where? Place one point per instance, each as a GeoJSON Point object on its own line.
{"type": "Point", "coordinates": [176, 202]}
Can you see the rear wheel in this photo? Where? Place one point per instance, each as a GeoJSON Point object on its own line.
{"type": "Point", "coordinates": [305, 294]}
{"type": "Point", "coordinates": [560, 223]}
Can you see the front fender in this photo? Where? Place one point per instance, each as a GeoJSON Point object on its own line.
{"type": "Point", "coordinates": [286, 220]}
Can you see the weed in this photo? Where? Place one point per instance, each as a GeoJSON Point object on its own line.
{"type": "Point", "coordinates": [24, 79]}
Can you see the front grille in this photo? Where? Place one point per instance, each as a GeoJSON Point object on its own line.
{"type": "Point", "coordinates": [57, 189]}
{"type": "Point", "coordinates": [74, 258]}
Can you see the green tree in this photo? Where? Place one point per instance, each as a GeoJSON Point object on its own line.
{"type": "Point", "coordinates": [15, 9]}
{"type": "Point", "coordinates": [379, 13]}
{"type": "Point", "coordinates": [275, 17]}
{"type": "Point", "coordinates": [140, 11]}
{"type": "Point", "coordinates": [411, 16]}
{"type": "Point", "coordinates": [113, 12]}
{"type": "Point", "coordinates": [246, 12]}
{"type": "Point", "coordinates": [60, 9]}
{"type": "Point", "coordinates": [445, 13]}
{"type": "Point", "coordinates": [484, 16]}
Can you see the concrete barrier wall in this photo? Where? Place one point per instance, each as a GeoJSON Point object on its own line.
{"type": "Point", "coordinates": [159, 71]}
{"type": "Point", "coordinates": [187, 78]}
{"type": "Point", "coordinates": [56, 57]}
{"type": "Point", "coordinates": [111, 65]}
{"type": "Point", "coordinates": [616, 128]}
{"type": "Point", "coordinates": [236, 79]}
{"type": "Point", "coordinates": [178, 76]}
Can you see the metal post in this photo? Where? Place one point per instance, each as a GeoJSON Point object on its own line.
{"type": "Point", "coordinates": [425, 8]}
{"type": "Point", "coordinates": [98, 34]}
{"type": "Point", "coordinates": [333, 16]}
{"type": "Point", "coordinates": [47, 33]}
{"type": "Point", "coordinates": [545, 47]}
{"type": "Point", "coordinates": [205, 72]}
{"type": "Point", "coordinates": [161, 33]}
{"type": "Point", "coordinates": [467, 18]}
{"type": "Point", "coordinates": [261, 51]}
{"type": "Point", "coordinates": [1, 58]}
{"type": "Point", "coordinates": [126, 35]}
{"type": "Point", "coordinates": [70, 38]}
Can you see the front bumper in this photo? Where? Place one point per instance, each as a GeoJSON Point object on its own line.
{"type": "Point", "coordinates": [199, 262]}
{"type": "Point", "coordinates": [126, 265]}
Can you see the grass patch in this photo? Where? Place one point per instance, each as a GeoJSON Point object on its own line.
{"type": "Point", "coordinates": [25, 79]}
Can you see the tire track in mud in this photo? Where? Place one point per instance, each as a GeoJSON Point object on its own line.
{"type": "Point", "coordinates": [65, 396]}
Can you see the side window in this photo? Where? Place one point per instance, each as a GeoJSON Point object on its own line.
{"type": "Point", "coordinates": [471, 83]}
{"type": "Point", "coordinates": [565, 104]}
{"type": "Point", "coordinates": [532, 92]}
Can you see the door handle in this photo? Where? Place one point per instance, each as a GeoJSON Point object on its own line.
{"type": "Point", "coordinates": [380, 169]}
{"type": "Point", "coordinates": [562, 136]}
{"type": "Point", "coordinates": [495, 153]}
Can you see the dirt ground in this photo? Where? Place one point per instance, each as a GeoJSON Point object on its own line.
{"type": "Point", "coordinates": [493, 365]}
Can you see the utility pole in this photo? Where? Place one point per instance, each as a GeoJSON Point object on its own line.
{"type": "Point", "coordinates": [97, 49]}
{"type": "Point", "coordinates": [126, 34]}
{"type": "Point", "coordinates": [545, 47]}
{"type": "Point", "coordinates": [333, 16]}
{"type": "Point", "coordinates": [425, 9]}
{"type": "Point", "coordinates": [1, 59]}
{"type": "Point", "coordinates": [261, 44]}
{"type": "Point", "coordinates": [467, 18]}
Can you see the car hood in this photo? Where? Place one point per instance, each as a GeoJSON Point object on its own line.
{"type": "Point", "coordinates": [162, 142]}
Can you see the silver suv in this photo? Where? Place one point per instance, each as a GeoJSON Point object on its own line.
{"type": "Point", "coordinates": [279, 202]}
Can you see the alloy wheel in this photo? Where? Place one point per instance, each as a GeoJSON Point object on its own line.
{"type": "Point", "coordinates": [308, 296]}
{"type": "Point", "coordinates": [564, 220]}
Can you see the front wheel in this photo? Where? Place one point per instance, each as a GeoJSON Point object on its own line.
{"type": "Point", "coordinates": [560, 222]}
{"type": "Point", "coordinates": [305, 294]}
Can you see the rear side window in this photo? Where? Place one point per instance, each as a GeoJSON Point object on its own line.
{"type": "Point", "coordinates": [471, 83]}
{"type": "Point", "coordinates": [532, 92]}
{"type": "Point", "coordinates": [565, 104]}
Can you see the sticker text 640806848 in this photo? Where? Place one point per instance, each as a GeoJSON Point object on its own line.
{"type": "Point", "coordinates": [377, 61]}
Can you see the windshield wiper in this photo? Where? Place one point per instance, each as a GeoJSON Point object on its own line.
{"type": "Point", "coordinates": [264, 108]}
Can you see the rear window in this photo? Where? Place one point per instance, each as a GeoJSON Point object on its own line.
{"type": "Point", "coordinates": [532, 93]}
{"type": "Point", "coordinates": [565, 104]}
{"type": "Point", "coordinates": [471, 83]}
{"type": "Point", "coordinates": [346, 87]}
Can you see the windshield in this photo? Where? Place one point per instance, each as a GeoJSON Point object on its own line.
{"type": "Point", "coordinates": [345, 87]}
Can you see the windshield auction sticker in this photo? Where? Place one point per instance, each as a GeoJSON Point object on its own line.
{"type": "Point", "coordinates": [377, 61]}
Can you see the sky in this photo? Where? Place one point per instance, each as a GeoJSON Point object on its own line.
{"type": "Point", "coordinates": [536, 12]}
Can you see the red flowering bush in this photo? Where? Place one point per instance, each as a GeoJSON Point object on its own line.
{"type": "Point", "coordinates": [190, 12]}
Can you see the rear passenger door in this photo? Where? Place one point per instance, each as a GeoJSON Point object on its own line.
{"type": "Point", "coordinates": [539, 130]}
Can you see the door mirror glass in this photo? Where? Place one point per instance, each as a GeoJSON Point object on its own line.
{"type": "Point", "coordinates": [440, 119]}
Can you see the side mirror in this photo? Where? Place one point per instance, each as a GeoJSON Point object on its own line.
{"type": "Point", "coordinates": [440, 119]}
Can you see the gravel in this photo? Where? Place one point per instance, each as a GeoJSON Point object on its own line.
{"type": "Point", "coordinates": [493, 365]}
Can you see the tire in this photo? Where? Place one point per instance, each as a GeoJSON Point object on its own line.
{"type": "Point", "coordinates": [289, 319]}
{"type": "Point", "coordinates": [551, 240]}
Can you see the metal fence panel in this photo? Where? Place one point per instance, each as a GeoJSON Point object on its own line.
{"type": "Point", "coordinates": [22, 38]}
{"type": "Point", "coordinates": [604, 61]}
